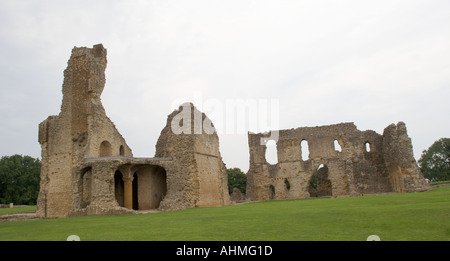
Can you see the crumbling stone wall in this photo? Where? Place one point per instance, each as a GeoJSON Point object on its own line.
{"type": "Point", "coordinates": [237, 196]}
{"type": "Point", "coordinates": [102, 184]}
{"type": "Point", "coordinates": [200, 178]}
{"type": "Point", "coordinates": [405, 175]}
{"type": "Point", "coordinates": [364, 162]}
{"type": "Point", "coordinates": [88, 169]}
{"type": "Point", "coordinates": [81, 130]}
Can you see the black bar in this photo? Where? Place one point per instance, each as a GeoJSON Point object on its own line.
{"type": "Point", "coordinates": [231, 250]}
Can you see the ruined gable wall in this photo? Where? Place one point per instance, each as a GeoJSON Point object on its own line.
{"type": "Point", "coordinates": [181, 185]}
{"type": "Point", "coordinates": [197, 177]}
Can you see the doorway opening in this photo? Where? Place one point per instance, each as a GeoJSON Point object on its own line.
{"type": "Point", "coordinates": [135, 192]}
{"type": "Point", "coordinates": [150, 188]}
{"type": "Point", "coordinates": [320, 184]}
{"type": "Point", "coordinates": [119, 188]}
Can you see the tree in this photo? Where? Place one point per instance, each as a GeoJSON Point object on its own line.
{"type": "Point", "coordinates": [435, 162]}
{"type": "Point", "coordinates": [236, 179]}
{"type": "Point", "coordinates": [19, 179]}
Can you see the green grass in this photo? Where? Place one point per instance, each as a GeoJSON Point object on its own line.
{"type": "Point", "coordinates": [4, 211]}
{"type": "Point", "coordinates": [439, 183]}
{"type": "Point", "coordinates": [410, 216]}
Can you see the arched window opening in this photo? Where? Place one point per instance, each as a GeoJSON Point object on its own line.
{"type": "Point", "coordinates": [305, 150]}
{"type": "Point", "coordinates": [271, 152]}
{"type": "Point", "coordinates": [105, 149]}
{"type": "Point", "coordinates": [122, 150]}
{"type": "Point", "coordinates": [368, 146]}
{"type": "Point", "coordinates": [337, 146]}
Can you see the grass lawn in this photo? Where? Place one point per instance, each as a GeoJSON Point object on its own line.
{"type": "Point", "coordinates": [410, 216]}
{"type": "Point", "coordinates": [439, 183]}
{"type": "Point", "coordinates": [4, 211]}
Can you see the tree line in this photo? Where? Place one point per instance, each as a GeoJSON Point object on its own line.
{"type": "Point", "coordinates": [435, 161]}
{"type": "Point", "coordinates": [19, 179]}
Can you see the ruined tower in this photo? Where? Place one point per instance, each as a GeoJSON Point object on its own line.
{"type": "Point", "coordinates": [81, 130]}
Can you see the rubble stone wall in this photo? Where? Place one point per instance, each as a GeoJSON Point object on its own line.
{"type": "Point", "coordinates": [88, 169]}
{"type": "Point", "coordinates": [349, 161]}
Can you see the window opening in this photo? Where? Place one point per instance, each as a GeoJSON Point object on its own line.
{"type": "Point", "coordinates": [368, 146]}
{"type": "Point", "coordinates": [271, 152]}
{"type": "Point", "coordinates": [305, 150]}
{"type": "Point", "coordinates": [337, 146]}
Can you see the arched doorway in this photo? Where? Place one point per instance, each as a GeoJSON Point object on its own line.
{"type": "Point", "coordinates": [119, 188]}
{"type": "Point", "coordinates": [86, 187]}
{"type": "Point", "coordinates": [320, 184]}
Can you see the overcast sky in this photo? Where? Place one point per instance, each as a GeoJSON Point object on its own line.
{"type": "Point", "coordinates": [369, 62]}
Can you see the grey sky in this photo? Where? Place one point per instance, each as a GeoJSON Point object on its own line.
{"type": "Point", "coordinates": [369, 62]}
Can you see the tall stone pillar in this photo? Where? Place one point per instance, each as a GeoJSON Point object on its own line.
{"type": "Point", "coordinates": [128, 192]}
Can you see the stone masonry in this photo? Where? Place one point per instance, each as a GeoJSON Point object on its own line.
{"type": "Point", "coordinates": [342, 161]}
{"type": "Point", "coordinates": [88, 168]}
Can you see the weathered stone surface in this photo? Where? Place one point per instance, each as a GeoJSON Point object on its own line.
{"type": "Point", "coordinates": [404, 172]}
{"type": "Point", "coordinates": [237, 196]}
{"type": "Point", "coordinates": [81, 130]}
{"type": "Point", "coordinates": [199, 177]}
{"type": "Point", "coordinates": [347, 162]}
{"type": "Point", "coordinates": [88, 169]}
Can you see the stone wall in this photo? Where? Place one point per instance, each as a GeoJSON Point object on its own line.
{"type": "Point", "coordinates": [88, 169]}
{"type": "Point", "coordinates": [80, 130]}
{"type": "Point", "coordinates": [199, 178]}
{"type": "Point", "coordinates": [342, 161]}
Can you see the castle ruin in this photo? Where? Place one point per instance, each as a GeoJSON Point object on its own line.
{"type": "Point", "coordinates": [342, 161]}
{"type": "Point", "coordinates": [88, 168]}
